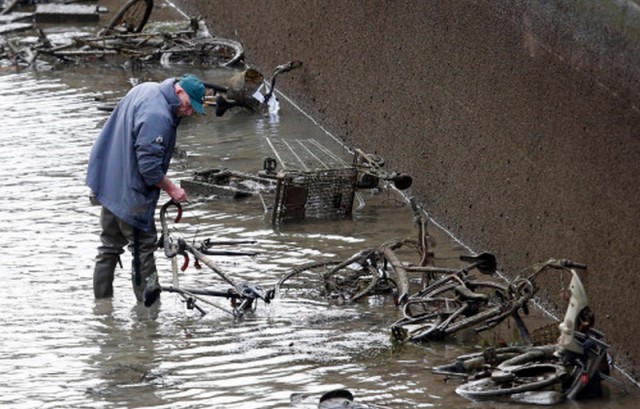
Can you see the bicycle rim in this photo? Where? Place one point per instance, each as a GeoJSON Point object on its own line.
{"type": "Point", "coordinates": [307, 273]}
{"type": "Point", "coordinates": [524, 379]}
{"type": "Point", "coordinates": [350, 282]}
{"type": "Point", "coordinates": [210, 51]}
{"type": "Point", "coordinates": [368, 287]}
{"type": "Point", "coordinates": [480, 310]}
{"type": "Point", "coordinates": [423, 329]}
{"type": "Point", "coordinates": [132, 16]}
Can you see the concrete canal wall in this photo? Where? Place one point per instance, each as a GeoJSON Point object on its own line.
{"type": "Point", "coordinates": [518, 119]}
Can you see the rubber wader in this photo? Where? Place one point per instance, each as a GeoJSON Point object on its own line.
{"type": "Point", "coordinates": [147, 271]}
{"type": "Point", "coordinates": [115, 235]}
{"type": "Point", "coordinates": [103, 274]}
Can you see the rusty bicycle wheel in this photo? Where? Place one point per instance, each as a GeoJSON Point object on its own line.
{"type": "Point", "coordinates": [132, 17]}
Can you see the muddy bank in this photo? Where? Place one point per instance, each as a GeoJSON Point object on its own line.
{"type": "Point", "coordinates": [518, 121]}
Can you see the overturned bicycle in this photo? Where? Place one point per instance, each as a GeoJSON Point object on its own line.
{"type": "Point", "coordinates": [571, 369]}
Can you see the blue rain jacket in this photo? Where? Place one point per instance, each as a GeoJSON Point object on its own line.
{"type": "Point", "coordinates": [133, 151]}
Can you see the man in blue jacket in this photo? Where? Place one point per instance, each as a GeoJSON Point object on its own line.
{"type": "Point", "coordinates": [128, 168]}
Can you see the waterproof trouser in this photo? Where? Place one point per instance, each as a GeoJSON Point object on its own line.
{"type": "Point", "coordinates": [115, 235]}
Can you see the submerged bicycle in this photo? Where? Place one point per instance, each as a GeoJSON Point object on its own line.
{"type": "Point", "coordinates": [251, 90]}
{"type": "Point", "coordinates": [368, 272]}
{"type": "Point", "coordinates": [571, 369]}
{"type": "Point", "coordinates": [125, 42]}
{"type": "Point", "coordinates": [242, 295]}
{"type": "Point", "coordinates": [460, 301]}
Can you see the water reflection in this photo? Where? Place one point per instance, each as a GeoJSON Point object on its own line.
{"type": "Point", "coordinates": [126, 361]}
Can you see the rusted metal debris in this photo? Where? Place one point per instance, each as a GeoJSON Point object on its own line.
{"type": "Point", "coordinates": [189, 42]}
{"type": "Point", "coordinates": [124, 41]}
{"type": "Point", "coordinates": [250, 89]}
{"type": "Point", "coordinates": [182, 46]}
{"type": "Point", "coordinates": [66, 13]}
{"type": "Point", "coordinates": [305, 180]}
{"type": "Point", "coordinates": [227, 183]}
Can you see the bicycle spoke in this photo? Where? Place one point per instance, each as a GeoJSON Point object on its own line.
{"type": "Point", "coordinates": [132, 17]}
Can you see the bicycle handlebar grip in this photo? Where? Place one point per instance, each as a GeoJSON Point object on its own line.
{"type": "Point", "coordinates": [572, 264]}
{"type": "Point", "coordinates": [163, 210]}
{"type": "Point", "coordinates": [168, 251]}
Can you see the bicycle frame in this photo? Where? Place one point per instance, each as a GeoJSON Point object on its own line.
{"type": "Point", "coordinates": [569, 369]}
{"type": "Point", "coordinates": [377, 265]}
{"type": "Point", "coordinates": [470, 309]}
{"type": "Point", "coordinates": [249, 89]}
{"type": "Point", "coordinates": [242, 295]}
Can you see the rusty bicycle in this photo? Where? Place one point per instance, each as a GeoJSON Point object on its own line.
{"type": "Point", "coordinates": [242, 295]}
{"type": "Point", "coordinates": [570, 369]}
{"type": "Point", "coordinates": [460, 301]}
{"type": "Point", "coordinates": [368, 272]}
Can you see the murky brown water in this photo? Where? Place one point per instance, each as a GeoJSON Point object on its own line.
{"type": "Point", "coordinates": [60, 348]}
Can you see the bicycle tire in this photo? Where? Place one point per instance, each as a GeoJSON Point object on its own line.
{"type": "Point", "coordinates": [206, 51]}
{"type": "Point", "coordinates": [133, 15]}
{"type": "Point", "coordinates": [441, 293]}
{"type": "Point", "coordinates": [418, 331]}
{"type": "Point", "coordinates": [367, 260]}
{"type": "Point", "coordinates": [350, 284]}
{"type": "Point", "coordinates": [323, 265]}
{"type": "Point", "coordinates": [228, 52]}
{"type": "Point", "coordinates": [444, 313]}
{"type": "Point", "coordinates": [523, 378]}
{"type": "Point", "coordinates": [368, 288]}
{"type": "Point", "coordinates": [356, 258]}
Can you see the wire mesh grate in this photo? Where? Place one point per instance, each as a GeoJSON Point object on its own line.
{"type": "Point", "coordinates": [313, 182]}
{"type": "Point", "coordinates": [318, 194]}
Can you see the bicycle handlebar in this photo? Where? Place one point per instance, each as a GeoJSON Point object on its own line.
{"type": "Point", "coordinates": [572, 264]}
{"type": "Point", "coordinates": [215, 87]}
{"type": "Point", "coordinates": [563, 263]}
{"type": "Point", "coordinates": [556, 264]}
{"type": "Point", "coordinates": [169, 250]}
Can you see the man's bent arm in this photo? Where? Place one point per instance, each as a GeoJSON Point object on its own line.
{"type": "Point", "coordinates": [176, 193]}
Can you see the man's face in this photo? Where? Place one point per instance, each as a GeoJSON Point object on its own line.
{"type": "Point", "coordinates": [185, 108]}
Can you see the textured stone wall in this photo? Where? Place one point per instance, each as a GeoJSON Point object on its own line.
{"type": "Point", "coordinates": [518, 120]}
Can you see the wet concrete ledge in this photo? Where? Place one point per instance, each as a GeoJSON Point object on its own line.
{"type": "Point", "coordinates": [518, 119]}
{"type": "Point", "coordinates": [67, 13]}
